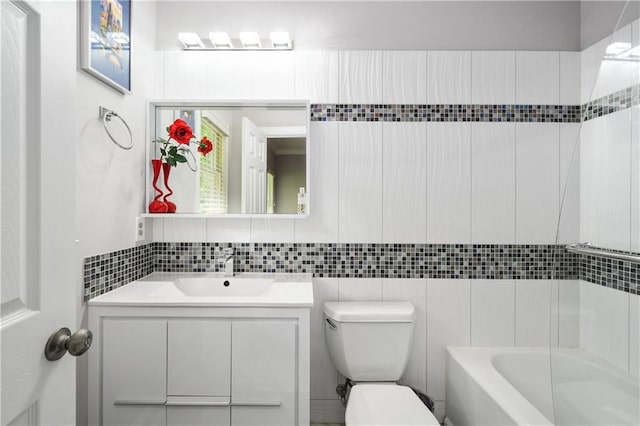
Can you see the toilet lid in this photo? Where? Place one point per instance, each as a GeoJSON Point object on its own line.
{"type": "Point", "coordinates": [386, 405]}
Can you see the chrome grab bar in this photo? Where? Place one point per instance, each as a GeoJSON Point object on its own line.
{"type": "Point", "coordinates": [588, 249]}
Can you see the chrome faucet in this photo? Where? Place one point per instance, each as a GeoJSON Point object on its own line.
{"type": "Point", "coordinates": [228, 262]}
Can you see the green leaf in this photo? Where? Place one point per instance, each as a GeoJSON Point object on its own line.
{"type": "Point", "coordinates": [173, 150]}
{"type": "Point", "coordinates": [180, 158]}
{"type": "Point", "coordinates": [171, 161]}
{"type": "Point", "coordinates": [163, 152]}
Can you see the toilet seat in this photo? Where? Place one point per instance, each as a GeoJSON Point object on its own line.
{"type": "Point", "coordinates": [385, 405]}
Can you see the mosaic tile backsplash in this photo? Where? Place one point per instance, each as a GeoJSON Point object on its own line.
{"type": "Point", "coordinates": [457, 261]}
{"type": "Point", "coordinates": [105, 272]}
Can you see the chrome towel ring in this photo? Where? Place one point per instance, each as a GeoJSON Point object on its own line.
{"type": "Point", "coordinates": [106, 114]}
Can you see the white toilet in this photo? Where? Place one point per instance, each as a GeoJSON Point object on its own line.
{"type": "Point", "coordinates": [369, 343]}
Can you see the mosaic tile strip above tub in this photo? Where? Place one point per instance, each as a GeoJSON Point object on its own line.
{"type": "Point", "coordinates": [613, 273]}
{"type": "Point", "coordinates": [477, 261]}
{"type": "Point", "coordinates": [617, 101]}
{"type": "Point", "coordinates": [107, 272]}
{"type": "Point", "coordinates": [459, 112]}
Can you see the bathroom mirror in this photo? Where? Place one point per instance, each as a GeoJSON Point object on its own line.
{"type": "Point", "coordinates": [259, 164]}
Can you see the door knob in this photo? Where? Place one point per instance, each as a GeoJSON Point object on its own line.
{"type": "Point", "coordinates": [62, 341]}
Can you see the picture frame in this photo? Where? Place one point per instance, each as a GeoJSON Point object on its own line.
{"type": "Point", "coordinates": [105, 42]}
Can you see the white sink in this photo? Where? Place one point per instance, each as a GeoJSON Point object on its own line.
{"type": "Point", "coordinates": [209, 289]}
{"type": "Point", "coordinates": [223, 287]}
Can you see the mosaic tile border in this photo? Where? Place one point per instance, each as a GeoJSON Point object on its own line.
{"type": "Point", "coordinates": [614, 102]}
{"type": "Point", "coordinates": [453, 112]}
{"type": "Point", "coordinates": [618, 274]}
{"type": "Point", "coordinates": [617, 101]}
{"type": "Point", "coordinates": [106, 272]}
{"type": "Point", "coordinates": [457, 261]}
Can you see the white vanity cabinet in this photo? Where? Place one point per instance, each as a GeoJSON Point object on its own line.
{"type": "Point", "coordinates": [179, 366]}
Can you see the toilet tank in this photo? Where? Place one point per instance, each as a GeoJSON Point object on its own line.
{"type": "Point", "coordinates": [369, 341]}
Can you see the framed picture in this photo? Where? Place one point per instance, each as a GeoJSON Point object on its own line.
{"type": "Point", "coordinates": [105, 41]}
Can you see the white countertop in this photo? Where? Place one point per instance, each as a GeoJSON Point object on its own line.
{"type": "Point", "coordinates": [208, 289]}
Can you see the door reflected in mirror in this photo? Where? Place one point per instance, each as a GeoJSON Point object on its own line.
{"type": "Point", "coordinates": [259, 162]}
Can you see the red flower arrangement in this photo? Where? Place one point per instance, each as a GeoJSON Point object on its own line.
{"type": "Point", "coordinates": [182, 134]}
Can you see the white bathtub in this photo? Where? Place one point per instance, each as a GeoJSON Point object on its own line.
{"type": "Point", "coordinates": [512, 386]}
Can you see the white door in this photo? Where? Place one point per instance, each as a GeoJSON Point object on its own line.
{"type": "Point", "coordinates": [39, 268]}
{"type": "Point", "coordinates": [254, 168]}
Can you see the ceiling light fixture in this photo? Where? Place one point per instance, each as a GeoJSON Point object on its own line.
{"type": "Point", "coordinates": [190, 40]}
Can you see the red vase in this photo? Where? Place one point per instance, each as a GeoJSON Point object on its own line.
{"type": "Point", "coordinates": [156, 205]}
{"type": "Point", "coordinates": [171, 207]}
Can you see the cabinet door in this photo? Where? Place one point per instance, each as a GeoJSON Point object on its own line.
{"type": "Point", "coordinates": [134, 359]}
{"type": "Point", "coordinates": [264, 370]}
{"type": "Point", "coordinates": [199, 355]}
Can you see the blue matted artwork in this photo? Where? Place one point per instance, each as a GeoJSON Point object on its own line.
{"type": "Point", "coordinates": [106, 42]}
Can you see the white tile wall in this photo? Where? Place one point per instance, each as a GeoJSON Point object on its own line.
{"type": "Point", "coordinates": [493, 77]}
{"type": "Point", "coordinates": [448, 324]}
{"type": "Point", "coordinates": [569, 314]}
{"type": "Point", "coordinates": [493, 183]}
{"type": "Point", "coordinates": [604, 181]}
{"type": "Point", "coordinates": [569, 183]}
{"type": "Point", "coordinates": [322, 223]}
{"type": "Point", "coordinates": [272, 75]}
{"type": "Point", "coordinates": [404, 179]}
{"type": "Point", "coordinates": [229, 230]}
{"type": "Point", "coordinates": [360, 289]}
{"type": "Point", "coordinates": [635, 179]}
{"type": "Point", "coordinates": [360, 77]}
{"type": "Point", "coordinates": [604, 323]}
{"type": "Point", "coordinates": [316, 76]}
{"type": "Point", "coordinates": [185, 75]}
{"type": "Point", "coordinates": [228, 75]}
{"type": "Point", "coordinates": [272, 230]}
{"type": "Point", "coordinates": [414, 291]}
{"type": "Point", "coordinates": [184, 230]}
{"type": "Point", "coordinates": [533, 312]}
{"type": "Point", "coordinates": [360, 176]}
{"type": "Point", "coordinates": [449, 183]}
{"type": "Point", "coordinates": [634, 334]}
{"type": "Point", "coordinates": [404, 77]}
{"type": "Point", "coordinates": [570, 78]}
{"type": "Point", "coordinates": [492, 312]}
{"type": "Point", "coordinates": [538, 78]}
{"type": "Point", "coordinates": [537, 182]}
{"type": "Point", "coordinates": [448, 77]}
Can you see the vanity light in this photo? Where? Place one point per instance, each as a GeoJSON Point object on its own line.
{"type": "Point", "coordinates": [190, 40]}
{"type": "Point", "coordinates": [220, 40]}
{"type": "Point", "coordinates": [250, 40]}
{"type": "Point", "coordinates": [280, 40]}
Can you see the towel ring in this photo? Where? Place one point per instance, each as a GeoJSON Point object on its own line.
{"type": "Point", "coordinates": [105, 115]}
